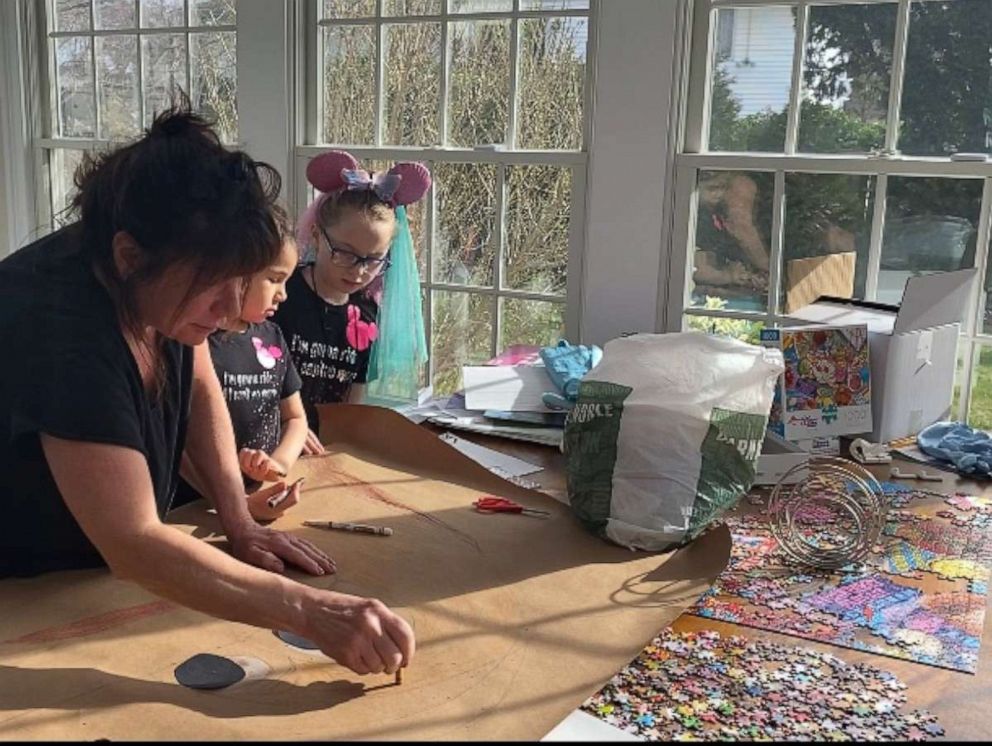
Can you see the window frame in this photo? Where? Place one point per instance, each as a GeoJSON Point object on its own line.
{"type": "Point", "coordinates": [309, 112]}
{"type": "Point", "coordinates": [695, 157]}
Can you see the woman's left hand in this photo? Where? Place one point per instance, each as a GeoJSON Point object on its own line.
{"type": "Point", "coordinates": [271, 550]}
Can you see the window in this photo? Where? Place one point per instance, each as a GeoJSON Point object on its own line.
{"type": "Point", "coordinates": [113, 64]}
{"type": "Point", "coordinates": [817, 160]}
{"type": "Point", "coordinates": [491, 95]}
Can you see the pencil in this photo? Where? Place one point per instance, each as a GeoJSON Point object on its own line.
{"type": "Point", "coordinates": [358, 528]}
{"type": "Point", "coordinates": [277, 498]}
{"type": "Point", "coordinates": [399, 676]}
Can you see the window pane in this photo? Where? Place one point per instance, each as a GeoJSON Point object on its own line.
{"type": "Point", "coordinates": [479, 80]}
{"type": "Point", "coordinates": [75, 86]}
{"type": "Point", "coordinates": [163, 70]}
{"type": "Point", "coordinates": [461, 334]}
{"type": "Point", "coordinates": [480, 6]}
{"type": "Point", "coordinates": [111, 14]}
{"type": "Point", "coordinates": [945, 104]}
{"type": "Point", "coordinates": [825, 243]}
{"type": "Point", "coordinates": [413, 82]}
{"type": "Point", "coordinates": [742, 329]}
{"type": "Point", "coordinates": [539, 206]}
{"type": "Point", "coordinates": [465, 244]}
{"type": "Point", "coordinates": [752, 76]}
{"type": "Point", "coordinates": [349, 9]}
{"type": "Point", "coordinates": [212, 13]}
{"type": "Point", "coordinates": [553, 4]}
{"type": "Point", "coordinates": [980, 408]}
{"type": "Point", "coordinates": [529, 322]}
{"type": "Point", "coordinates": [411, 7]}
{"type": "Point", "coordinates": [214, 80]}
{"type": "Point", "coordinates": [930, 226]}
{"type": "Point", "coordinates": [847, 69]}
{"type": "Point", "coordinates": [72, 15]}
{"type": "Point", "coordinates": [349, 85]}
{"type": "Point", "coordinates": [552, 69]}
{"type": "Point", "coordinates": [117, 71]}
{"type": "Point", "coordinates": [158, 13]}
{"type": "Point", "coordinates": [62, 166]}
{"type": "Point", "coordinates": [733, 239]}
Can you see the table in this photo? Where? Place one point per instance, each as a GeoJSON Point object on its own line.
{"type": "Point", "coordinates": [518, 620]}
{"type": "Point", "coordinates": [957, 699]}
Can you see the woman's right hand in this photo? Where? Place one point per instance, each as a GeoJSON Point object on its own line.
{"type": "Point", "coordinates": [360, 633]}
{"type": "Point", "coordinates": [312, 445]}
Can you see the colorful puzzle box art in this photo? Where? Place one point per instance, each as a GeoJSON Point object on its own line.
{"type": "Point", "coordinates": [920, 595]}
{"type": "Point", "coordinates": [826, 388]}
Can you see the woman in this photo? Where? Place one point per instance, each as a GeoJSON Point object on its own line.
{"type": "Point", "coordinates": [107, 380]}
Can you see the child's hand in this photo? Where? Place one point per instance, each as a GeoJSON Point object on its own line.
{"type": "Point", "coordinates": [258, 501]}
{"type": "Point", "coordinates": [312, 445]}
{"type": "Point", "coordinates": [260, 466]}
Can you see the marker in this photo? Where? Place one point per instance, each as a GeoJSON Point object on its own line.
{"type": "Point", "coordinates": [276, 499]}
{"type": "Point", "coordinates": [359, 528]}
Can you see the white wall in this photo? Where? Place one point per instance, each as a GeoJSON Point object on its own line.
{"type": "Point", "coordinates": [629, 176]}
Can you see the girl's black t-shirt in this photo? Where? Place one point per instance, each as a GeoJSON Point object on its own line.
{"type": "Point", "coordinates": [329, 344]}
{"type": "Point", "coordinates": [256, 374]}
{"type": "Point", "coordinates": [68, 372]}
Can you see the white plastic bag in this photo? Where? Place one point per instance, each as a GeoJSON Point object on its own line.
{"type": "Point", "coordinates": [666, 434]}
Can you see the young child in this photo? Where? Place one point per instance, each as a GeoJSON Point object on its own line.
{"type": "Point", "coordinates": [354, 315]}
{"type": "Point", "coordinates": [261, 388]}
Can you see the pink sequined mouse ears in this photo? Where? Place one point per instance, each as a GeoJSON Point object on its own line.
{"type": "Point", "coordinates": [403, 184]}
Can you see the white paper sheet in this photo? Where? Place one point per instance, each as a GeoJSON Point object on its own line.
{"type": "Point", "coordinates": [509, 388]}
{"type": "Point", "coordinates": [501, 463]}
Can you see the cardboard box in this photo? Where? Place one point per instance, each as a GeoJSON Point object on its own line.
{"type": "Point", "coordinates": [913, 349]}
{"type": "Point", "coordinates": [777, 457]}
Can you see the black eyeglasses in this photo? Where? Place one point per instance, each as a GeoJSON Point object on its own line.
{"type": "Point", "coordinates": [348, 259]}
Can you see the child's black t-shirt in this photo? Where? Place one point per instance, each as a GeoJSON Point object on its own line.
{"type": "Point", "coordinates": [329, 344]}
{"type": "Point", "coordinates": [256, 374]}
{"type": "Point", "coordinates": [68, 372]}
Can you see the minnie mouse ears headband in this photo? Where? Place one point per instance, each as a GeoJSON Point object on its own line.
{"type": "Point", "coordinates": [403, 184]}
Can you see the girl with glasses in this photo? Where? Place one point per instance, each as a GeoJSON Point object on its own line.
{"type": "Point", "coordinates": [353, 314]}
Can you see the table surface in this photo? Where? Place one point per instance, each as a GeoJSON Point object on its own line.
{"type": "Point", "coordinates": [954, 697]}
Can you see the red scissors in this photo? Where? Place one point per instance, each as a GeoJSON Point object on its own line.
{"type": "Point", "coordinates": [502, 505]}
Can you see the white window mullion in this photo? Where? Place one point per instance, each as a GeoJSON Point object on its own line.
{"type": "Point", "coordinates": [972, 353]}
{"type": "Point", "coordinates": [500, 209]}
{"type": "Point", "coordinates": [796, 91]}
{"type": "Point", "coordinates": [511, 123]}
{"type": "Point", "coordinates": [189, 57]}
{"type": "Point", "coordinates": [97, 124]}
{"type": "Point", "coordinates": [896, 84]}
{"type": "Point", "coordinates": [138, 68]}
{"type": "Point", "coordinates": [683, 251]}
{"type": "Point", "coordinates": [426, 282]}
{"type": "Point", "coordinates": [775, 253]}
{"type": "Point", "coordinates": [312, 129]}
{"type": "Point", "coordinates": [875, 238]}
{"type": "Point", "coordinates": [573, 275]}
{"type": "Point", "coordinates": [380, 64]}
{"type": "Point", "coordinates": [442, 125]}
{"type": "Point", "coordinates": [974, 321]}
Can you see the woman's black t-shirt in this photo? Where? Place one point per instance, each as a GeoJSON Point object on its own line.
{"type": "Point", "coordinates": [68, 372]}
{"type": "Point", "coordinates": [329, 344]}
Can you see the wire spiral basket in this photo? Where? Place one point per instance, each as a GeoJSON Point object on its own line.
{"type": "Point", "coordinates": [831, 518]}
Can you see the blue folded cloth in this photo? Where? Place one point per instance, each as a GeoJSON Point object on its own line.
{"type": "Point", "coordinates": [970, 450]}
{"type": "Point", "coordinates": [567, 364]}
